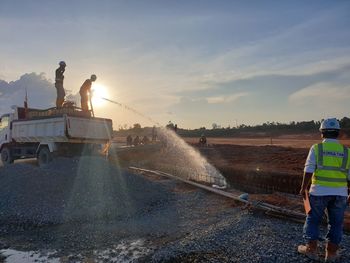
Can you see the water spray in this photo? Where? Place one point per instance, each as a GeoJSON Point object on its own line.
{"type": "Point", "coordinates": [132, 110]}
{"type": "Point", "coordinates": [186, 160]}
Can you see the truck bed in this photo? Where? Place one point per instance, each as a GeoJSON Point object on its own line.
{"type": "Point", "coordinates": [62, 129]}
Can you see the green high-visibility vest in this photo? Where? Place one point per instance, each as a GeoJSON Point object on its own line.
{"type": "Point", "coordinates": [332, 164]}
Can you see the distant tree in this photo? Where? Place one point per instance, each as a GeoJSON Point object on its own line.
{"type": "Point", "coordinates": [215, 126]}
{"type": "Point", "coordinates": [137, 126]}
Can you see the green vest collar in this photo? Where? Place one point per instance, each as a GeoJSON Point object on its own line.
{"type": "Point", "coordinates": [330, 140]}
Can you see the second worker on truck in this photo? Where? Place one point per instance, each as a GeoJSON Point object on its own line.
{"type": "Point", "coordinates": [85, 92]}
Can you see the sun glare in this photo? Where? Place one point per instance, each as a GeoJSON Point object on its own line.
{"type": "Point", "coordinates": [98, 93]}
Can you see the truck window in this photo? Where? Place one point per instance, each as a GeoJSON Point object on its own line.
{"type": "Point", "coordinates": [4, 122]}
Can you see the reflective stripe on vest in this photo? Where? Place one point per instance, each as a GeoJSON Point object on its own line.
{"type": "Point", "coordinates": [334, 173]}
{"type": "Point", "coordinates": [326, 179]}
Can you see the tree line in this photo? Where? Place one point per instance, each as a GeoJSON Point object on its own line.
{"type": "Point", "coordinates": [263, 130]}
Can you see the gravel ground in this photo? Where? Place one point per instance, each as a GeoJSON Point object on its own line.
{"type": "Point", "coordinates": [76, 207]}
{"type": "Point", "coordinates": [241, 237]}
{"type": "Point", "coordinates": [82, 189]}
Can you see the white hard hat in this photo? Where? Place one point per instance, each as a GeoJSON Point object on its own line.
{"type": "Point", "coordinates": [62, 63]}
{"type": "Point", "coordinates": [330, 124]}
{"type": "Point", "coordinates": [93, 77]}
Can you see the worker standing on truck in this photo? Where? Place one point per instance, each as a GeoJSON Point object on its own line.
{"type": "Point", "coordinates": [59, 84]}
{"type": "Point", "coordinates": [85, 92]}
{"type": "Point", "coordinates": [327, 169]}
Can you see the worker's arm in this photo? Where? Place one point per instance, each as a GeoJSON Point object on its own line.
{"type": "Point", "coordinates": [309, 169]}
{"type": "Point", "coordinates": [306, 183]}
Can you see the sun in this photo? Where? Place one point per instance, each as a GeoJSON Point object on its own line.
{"type": "Point", "coordinates": [99, 92]}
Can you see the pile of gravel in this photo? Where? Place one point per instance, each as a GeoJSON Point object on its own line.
{"type": "Point", "coordinates": [69, 190]}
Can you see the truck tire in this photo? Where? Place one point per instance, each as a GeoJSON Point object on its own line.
{"type": "Point", "coordinates": [44, 157]}
{"type": "Point", "coordinates": [6, 156]}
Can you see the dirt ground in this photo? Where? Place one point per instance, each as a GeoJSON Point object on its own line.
{"type": "Point", "coordinates": [294, 141]}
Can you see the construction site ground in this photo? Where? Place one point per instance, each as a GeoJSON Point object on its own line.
{"type": "Point", "coordinates": [89, 209]}
{"type": "Point", "coordinates": [270, 173]}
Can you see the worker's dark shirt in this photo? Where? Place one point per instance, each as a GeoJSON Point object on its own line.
{"type": "Point", "coordinates": [86, 87]}
{"type": "Point", "coordinates": [59, 75]}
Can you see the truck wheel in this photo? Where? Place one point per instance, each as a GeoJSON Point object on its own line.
{"type": "Point", "coordinates": [6, 156]}
{"type": "Point", "coordinates": [44, 157]}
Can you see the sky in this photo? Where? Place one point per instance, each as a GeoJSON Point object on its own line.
{"type": "Point", "coordinates": [194, 63]}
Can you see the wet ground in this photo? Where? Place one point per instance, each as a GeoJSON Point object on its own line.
{"type": "Point", "coordinates": [87, 210]}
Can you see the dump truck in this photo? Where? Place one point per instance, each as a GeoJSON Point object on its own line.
{"type": "Point", "coordinates": [45, 134]}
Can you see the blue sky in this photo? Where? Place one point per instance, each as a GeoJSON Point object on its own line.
{"type": "Point", "coordinates": [192, 62]}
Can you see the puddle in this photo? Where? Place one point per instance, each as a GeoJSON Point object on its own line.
{"type": "Point", "coordinates": [15, 256]}
{"type": "Point", "coordinates": [125, 251]}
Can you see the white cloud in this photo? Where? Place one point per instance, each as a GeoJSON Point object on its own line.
{"type": "Point", "coordinates": [41, 92]}
{"type": "Point", "coordinates": [322, 92]}
{"type": "Point", "coordinates": [226, 99]}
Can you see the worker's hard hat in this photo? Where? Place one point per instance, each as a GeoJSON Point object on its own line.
{"type": "Point", "coordinates": [330, 124]}
{"type": "Point", "coordinates": [93, 77]}
{"type": "Point", "coordinates": [62, 63]}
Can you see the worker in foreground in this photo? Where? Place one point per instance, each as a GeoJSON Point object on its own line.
{"type": "Point", "coordinates": [59, 84]}
{"type": "Point", "coordinates": [85, 92]}
{"type": "Point", "coordinates": [327, 169]}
